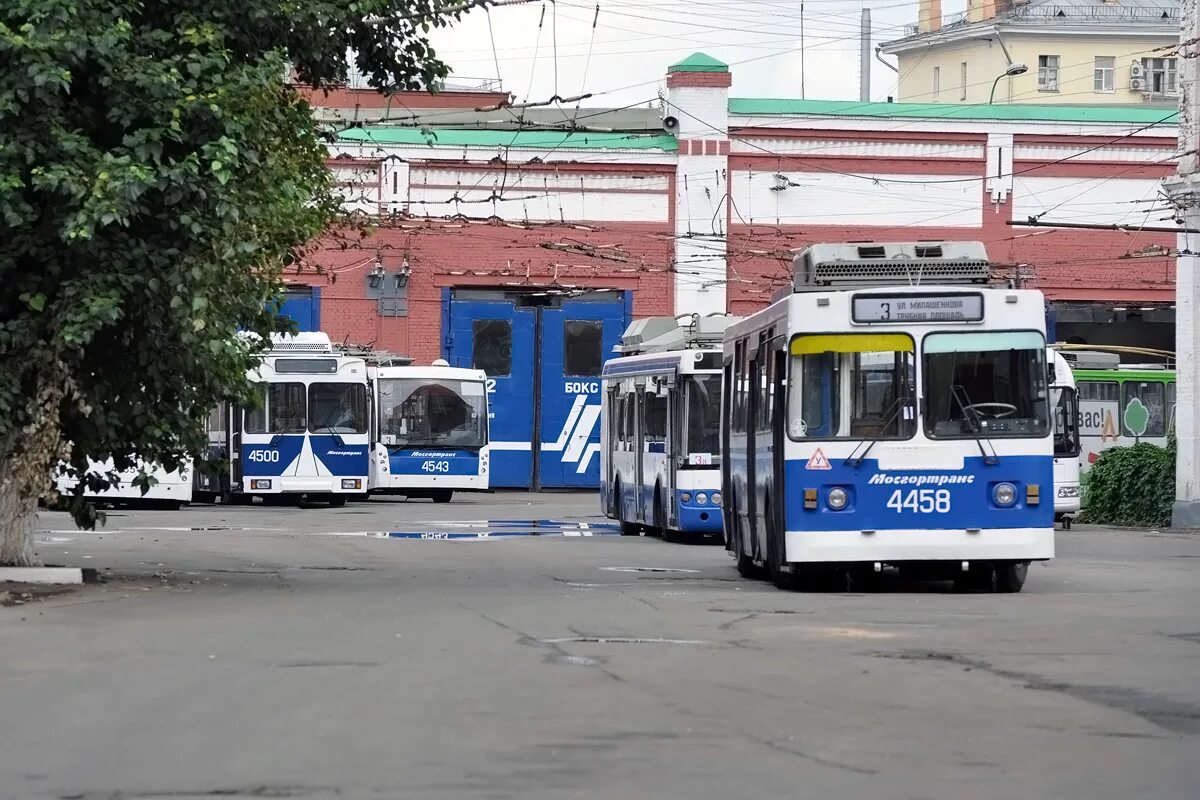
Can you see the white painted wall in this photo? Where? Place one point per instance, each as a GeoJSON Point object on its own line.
{"type": "Point", "coordinates": [1097, 200]}
{"type": "Point", "coordinates": [822, 198]}
{"type": "Point", "coordinates": [702, 111]}
{"type": "Point", "coordinates": [700, 234]}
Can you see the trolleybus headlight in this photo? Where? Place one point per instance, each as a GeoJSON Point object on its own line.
{"type": "Point", "coordinates": [716, 498]}
{"type": "Point", "coordinates": [260, 484]}
{"type": "Point", "coordinates": [686, 497]}
{"type": "Point", "coordinates": [351, 483]}
{"type": "Point", "coordinates": [1005, 494]}
{"type": "Point", "coordinates": [837, 498]}
{"type": "Point", "coordinates": [701, 498]}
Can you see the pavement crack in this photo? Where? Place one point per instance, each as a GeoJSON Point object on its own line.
{"type": "Point", "coordinates": [1176, 716]}
{"type": "Point", "coordinates": [780, 747]}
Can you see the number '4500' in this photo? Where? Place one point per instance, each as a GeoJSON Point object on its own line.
{"type": "Point", "coordinates": [921, 501]}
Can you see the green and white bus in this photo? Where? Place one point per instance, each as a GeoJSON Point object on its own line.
{"type": "Point", "coordinates": [1121, 403]}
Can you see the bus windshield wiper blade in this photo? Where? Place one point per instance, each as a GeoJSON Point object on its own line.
{"type": "Point", "coordinates": [975, 426]}
{"type": "Point", "coordinates": [893, 411]}
{"type": "Point", "coordinates": [337, 439]}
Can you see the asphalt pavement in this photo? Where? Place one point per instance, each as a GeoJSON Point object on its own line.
{"type": "Point", "coordinates": [521, 649]}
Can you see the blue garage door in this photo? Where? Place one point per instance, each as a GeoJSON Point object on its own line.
{"type": "Point", "coordinates": [302, 304]}
{"type": "Point", "coordinates": [543, 355]}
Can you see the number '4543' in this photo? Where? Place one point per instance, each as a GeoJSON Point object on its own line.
{"type": "Point", "coordinates": [920, 501]}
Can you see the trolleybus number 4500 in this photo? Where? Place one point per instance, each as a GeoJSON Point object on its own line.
{"type": "Point", "coordinates": [923, 501]}
{"type": "Point", "coordinates": [263, 456]}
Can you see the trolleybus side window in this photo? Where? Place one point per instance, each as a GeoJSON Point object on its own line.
{"type": "Point", "coordinates": [852, 386]}
{"type": "Point", "coordinates": [630, 437]}
{"type": "Point", "coordinates": [1152, 396]}
{"type": "Point", "coordinates": [702, 396]}
{"type": "Point", "coordinates": [337, 408]}
{"type": "Point", "coordinates": [1097, 400]}
{"type": "Point", "coordinates": [582, 348]}
{"type": "Point", "coordinates": [655, 409]}
{"type": "Point", "coordinates": [491, 343]}
{"type": "Point", "coordinates": [989, 384]}
{"type": "Point", "coordinates": [740, 377]}
{"type": "Point", "coordinates": [282, 410]}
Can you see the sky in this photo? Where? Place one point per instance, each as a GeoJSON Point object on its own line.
{"type": "Point", "coordinates": [622, 59]}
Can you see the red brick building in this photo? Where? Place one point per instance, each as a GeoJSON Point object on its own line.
{"type": "Point", "coordinates": [703, 216]}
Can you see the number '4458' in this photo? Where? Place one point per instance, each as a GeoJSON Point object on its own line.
{"type": "Point", "coordinates": [920, 501]}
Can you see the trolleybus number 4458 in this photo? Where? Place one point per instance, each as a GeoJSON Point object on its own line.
{"type": "Point", "coordinates": [923, 501]}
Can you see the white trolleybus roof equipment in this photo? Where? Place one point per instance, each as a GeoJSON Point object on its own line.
{"type": "Point", "coordinates": [910, 382]}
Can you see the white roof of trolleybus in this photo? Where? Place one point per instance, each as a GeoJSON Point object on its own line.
{"type": "Point", "coordinates": [1063, 376]}
{"type": "Point", "coordinates": [819, 312]}
{"type": "Point", "coordinates": [430, 373]}
{"type": "Point", "coordinates": [682, 361]}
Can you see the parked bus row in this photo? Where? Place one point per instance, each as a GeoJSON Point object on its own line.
{"type": "Point", "coordinates": [330, 425]}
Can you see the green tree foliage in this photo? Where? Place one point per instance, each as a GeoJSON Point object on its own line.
{"type": "Point", "coordinates": [1131, 486]}
{"type": "Point", "coordinates": [155, 172]}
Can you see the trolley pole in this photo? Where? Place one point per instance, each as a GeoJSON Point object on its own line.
{"type": "Point", "coordinates": [1184, 191]}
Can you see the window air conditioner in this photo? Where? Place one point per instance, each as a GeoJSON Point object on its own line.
{"type": "Point", "coordinates": [1136, 84]}
{"type": "Point", "coordinates": [1135, 70]}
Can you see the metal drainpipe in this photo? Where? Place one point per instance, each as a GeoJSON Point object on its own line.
{"type": "Point", "coordinates": [879, 58]}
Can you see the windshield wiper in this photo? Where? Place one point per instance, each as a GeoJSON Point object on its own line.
{"type": "Point", "coordinates": [892, 412]}
{"type": "Point", "coordinates": [337, 439]}
{"type": "Point", "coordinates": [974, 426]}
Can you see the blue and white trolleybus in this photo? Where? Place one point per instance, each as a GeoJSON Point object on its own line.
{"type": "Point", "coordinates": [891, 408]}
{"type": "Point", "coordinates": [660, 452]}
{"type": "Point", "coordinates": [430, 430]}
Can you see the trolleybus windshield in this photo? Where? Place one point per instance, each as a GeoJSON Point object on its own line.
{"type": "Point", "coordinates": [989, 384]}
{"type": "Point", "coordinates": [337, 408]}
{"type": "Point", "coordinates": [421, 412]}
{"type": "Point", "coordinates": [852, 386]}
{"type": "Point", "coordinates": [1066, 415]}
{"type": "Point", "coordinates": [702, 394]}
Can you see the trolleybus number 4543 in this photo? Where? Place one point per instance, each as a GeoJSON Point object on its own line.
{"type": "Point", "coordinates": [923, 501]}
{"type": "Point", "coordinates": [435, 466]}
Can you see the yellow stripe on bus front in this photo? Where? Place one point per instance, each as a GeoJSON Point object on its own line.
{"type": "Point", "coordinates": [852, 343]}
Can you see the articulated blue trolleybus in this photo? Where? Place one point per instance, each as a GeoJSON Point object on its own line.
{"type": "Point", "coordinates": [891, 408]}
{"type": "Point", "coordinates": [660, 450]}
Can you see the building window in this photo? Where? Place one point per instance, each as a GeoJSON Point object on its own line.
{"type": "Point", "coordinates": [582, 345]}
{"type": "Point", "coordinates": [1047, 73]}
{"type": "Point", "coordinates": [937, 82]}
{"type": "Point", "coordinates": [962, 81]}
{"type": "Point", "coordinates": [491, 342]}
{"type": "Point", "coordinates": [1160, 75]}
{"type": "Point", "coordinates": [1106, 67]}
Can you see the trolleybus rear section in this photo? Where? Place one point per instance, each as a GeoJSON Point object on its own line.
{"type": "Point", "coordinates": [660, 418]}
{"type": "Point", "coordinates": [429, 432]}
{"type": "Point", "coordinates": [893, 409]}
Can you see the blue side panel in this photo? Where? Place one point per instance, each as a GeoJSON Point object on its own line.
{"type": "Point", "coordinates": [510, 395]}
{"type": "Point", "coordinates": [921, 499]}
{"type": "Point", "coordinates": [570, 411]}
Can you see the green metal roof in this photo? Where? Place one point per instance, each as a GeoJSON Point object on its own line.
{"type": "Point", "coordinates": [1028, 112]}
{"type": "Point", "coordinates": [542, 140]}
{"type": "Point", "coordinates": [699, 62]}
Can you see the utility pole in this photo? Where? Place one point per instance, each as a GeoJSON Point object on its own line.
{"type": "Point", "coordinates": [1184, 192]}
{"type": "Point", "coordinates": [864, 58]}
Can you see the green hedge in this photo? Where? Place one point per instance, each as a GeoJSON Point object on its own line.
{"type": "Point", "coordinates": [1131, 486]}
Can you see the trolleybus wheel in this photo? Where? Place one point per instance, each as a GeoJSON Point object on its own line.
{"type": "Point", "coordinates": [777, 570]}
{"type": "Point", "coordinates": [442, 495]}
{"type": "Point", "coordinates": [1010, 577]}
{"type": "Point", "coordinates": [660, 518]}
{"type": "Point", "coordinates": [747, 567]}
{"type": "Point", "coordinates": [337, 500]}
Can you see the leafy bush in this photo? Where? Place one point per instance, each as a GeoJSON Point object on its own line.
{"type": "Point", "coordinates": [1131, 486]}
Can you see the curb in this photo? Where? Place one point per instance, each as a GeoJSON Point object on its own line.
{"type": "Point", "coordinates": [41, 575]}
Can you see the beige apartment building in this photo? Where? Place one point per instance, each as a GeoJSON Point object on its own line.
{"type": "Point", "coordinates": [1082, 52]}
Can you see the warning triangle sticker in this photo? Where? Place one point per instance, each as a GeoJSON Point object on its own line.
{"type": "Point", "coordinates": [818, 461]}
